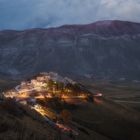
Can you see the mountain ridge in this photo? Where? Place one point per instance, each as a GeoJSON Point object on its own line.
{"type": "Point", "coordinates": [96, 23]}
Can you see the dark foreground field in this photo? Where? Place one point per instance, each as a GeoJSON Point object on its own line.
{"type": "Point", "coordinates": [114, 121]}
{"type": "Point", "coordinates": [101, 120]}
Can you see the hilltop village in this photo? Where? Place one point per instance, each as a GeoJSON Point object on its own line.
{"type": "Point", "coordinates": [49, 97]}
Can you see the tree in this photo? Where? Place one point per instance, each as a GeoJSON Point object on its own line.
{"type": "Point", "coordinates": [61, 86]}
{"type": "Point", "coordinates": [66, 116]}
{"type": "Point", "coordinates": [50, 84]}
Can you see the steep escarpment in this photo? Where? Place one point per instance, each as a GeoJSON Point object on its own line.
{"type": "Point", "coordinates": [105, 49]}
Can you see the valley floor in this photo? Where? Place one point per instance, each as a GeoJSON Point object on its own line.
{"type": "Point", "coordinates": [126, 93]}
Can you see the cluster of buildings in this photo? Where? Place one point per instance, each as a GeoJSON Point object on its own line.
{"type": "Point", "coordinates": [40, 88]}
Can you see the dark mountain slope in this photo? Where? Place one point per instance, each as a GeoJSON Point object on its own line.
{"type": "Point", "coordinates": [105, 49]}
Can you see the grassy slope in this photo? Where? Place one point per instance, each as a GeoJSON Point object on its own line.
{"type": "Point", "coordinates": [15, 125]}
{"type": "Point", "coordinates": [112, 120]}
{"type": "Point", "coordinates": [94, 121]}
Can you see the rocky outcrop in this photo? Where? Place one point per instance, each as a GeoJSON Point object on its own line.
{"type": "Point", "coordinates": [105, 49]}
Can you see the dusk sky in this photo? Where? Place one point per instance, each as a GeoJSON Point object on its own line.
{"type": "Point", "coordinates": [24, 14]}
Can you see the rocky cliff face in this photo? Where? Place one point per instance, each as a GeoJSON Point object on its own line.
{"type": "Point", "coordinates": [105, 49]}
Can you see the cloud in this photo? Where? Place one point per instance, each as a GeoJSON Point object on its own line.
{"type": "Point", "coordinates": [22, 14]}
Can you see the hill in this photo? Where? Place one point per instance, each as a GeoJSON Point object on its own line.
{"type": "Point", "coordinates": [49, 106]}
